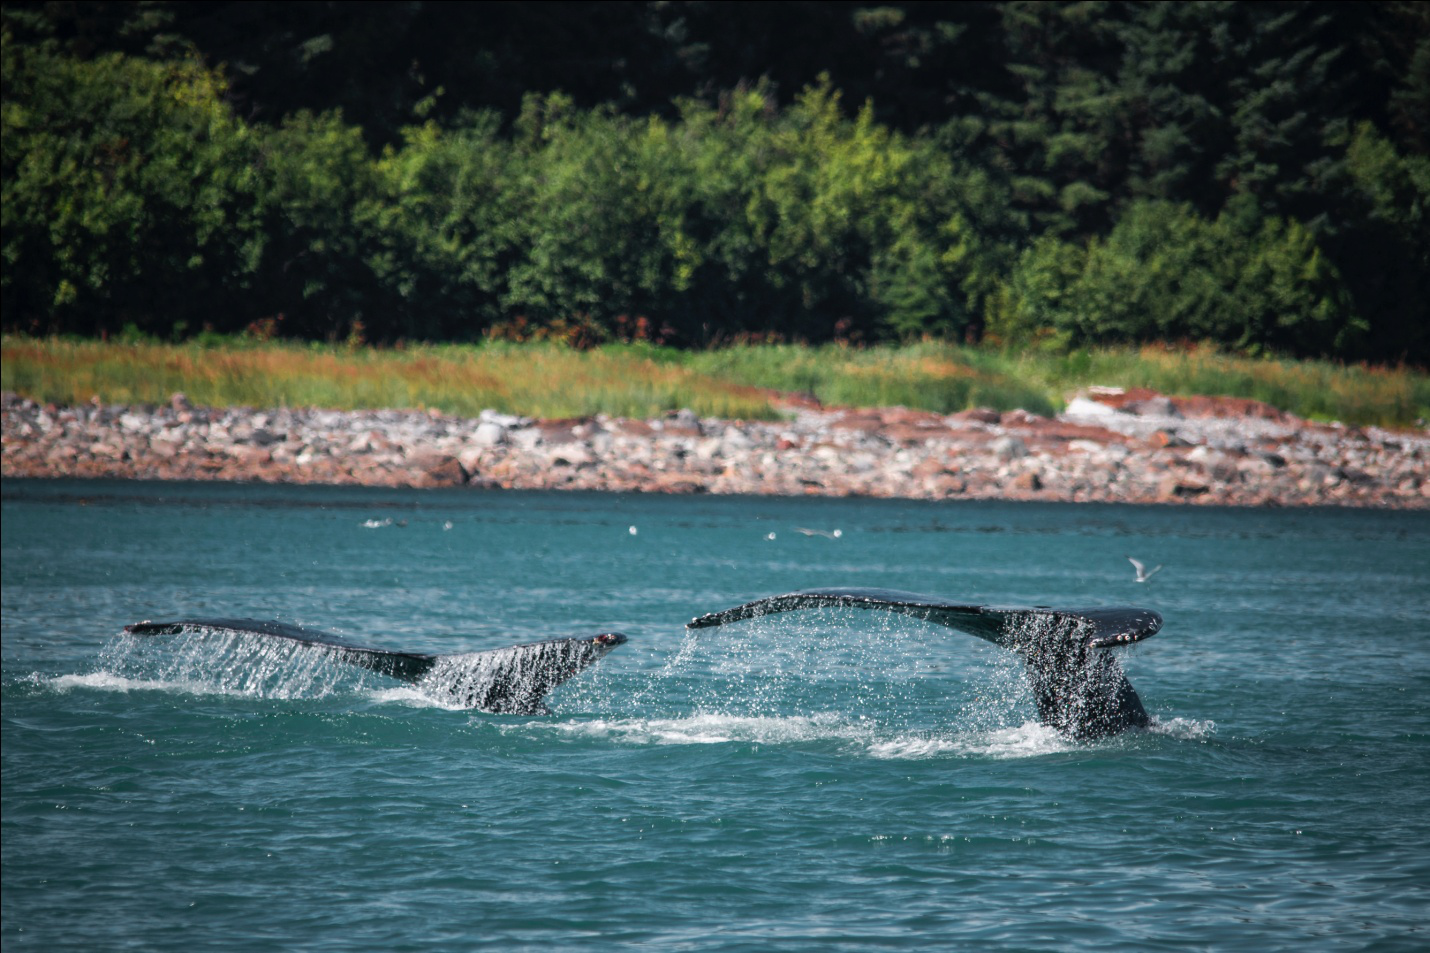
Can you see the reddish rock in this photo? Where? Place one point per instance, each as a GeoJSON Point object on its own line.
{"type": "Point", "coordinates": [929, 467]}
{"type": "Point", "coordinates": [684, 484]}
{"type": "Point", "coordinates": [1166, 438]}
{"type": "Point", "coordinates": [1064, 431]}
{"type": "Point", "coordinates": [1175, 487]}
{"type": "Point", "coordinates": [250, 456]}
{"type": "Point", "coordinates": [908, 436]}
{"type": "Point", "coordinates": [865, 421]}
{"type": "Point", "coordinates": [441, 471]}
{"type": "Point", "coordinates": [1141, 398]}
{"type": "Point", "coordinates": [568, 430]}
{"type": "Point", "coordinates": [978, 415]}
{"type": "Point", "coordinates": [631, 428]}
{"type": "Point", "coordinates": [1228, 407]}
{"type": "Point", "coordinates": [1021, 418]}
{"type": "Point", "coordinates": [1028, 481]}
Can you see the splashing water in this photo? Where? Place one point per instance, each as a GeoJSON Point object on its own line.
{"type": "Point", "coordinates": [229, 663]}
{"type": "Point", "coordinates": [857, 735]}
{"type": "Point", "coordinates": [514, 680]}
{"type": "Point", "coordinates": [204, 659]}
{"type": "Point", "coordinates": [859, 676]}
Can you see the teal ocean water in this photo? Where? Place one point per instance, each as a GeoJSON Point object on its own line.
{"type": "Point", "coordinates": [832, 780]}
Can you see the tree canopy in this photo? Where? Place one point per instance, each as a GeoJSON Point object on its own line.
{"type": "Point", "coordinates": [1034, 174]}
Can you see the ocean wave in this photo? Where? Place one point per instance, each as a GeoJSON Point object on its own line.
{"type": "Point", "coordinates": [412, 696]}
{"type": "Point", "coordinates": [872, 738]}
{"type": "Point", "coordinates": [1029, 739]}
{"type": "Point", "coordinates": [1186, 729]}
{"type": "Point", "coordinates": [112, 682]}
{"type": "Point", "coordinates": [708, 728]}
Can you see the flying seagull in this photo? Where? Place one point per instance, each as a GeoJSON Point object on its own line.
{"type": "Point", "coordinates": [819, 532]}
{"type": "Point", "coordinates": [1142, 574]}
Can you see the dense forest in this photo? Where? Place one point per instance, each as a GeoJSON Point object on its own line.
{"type": "Point", "coordinates": [1049, 175]}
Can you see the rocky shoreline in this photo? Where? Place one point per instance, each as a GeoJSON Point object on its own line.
{"type": "Point", "coordinates": [1108, 446]}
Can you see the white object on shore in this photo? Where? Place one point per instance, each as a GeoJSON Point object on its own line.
{"type": "Point", "coordinates": [1083, 407]}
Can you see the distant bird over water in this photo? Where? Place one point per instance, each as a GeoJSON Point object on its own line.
{"type": "Point", "coordinates": [827, 534]}
{"type": "Point", "coordinates": [1142, 573]}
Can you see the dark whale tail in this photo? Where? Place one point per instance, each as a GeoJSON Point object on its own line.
{"type": "Point", "coordinates": [513, 680]}
{"type": "Point", "coordinates": [1078, 687]}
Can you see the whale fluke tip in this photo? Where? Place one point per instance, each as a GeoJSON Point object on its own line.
{"type": "Point", "coordinates": [510, 680]}
{"type": "Point", "coordinates": [1081, 692]}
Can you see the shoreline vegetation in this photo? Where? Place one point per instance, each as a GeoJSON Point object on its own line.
{"type": "Point", "coordinates": [663, 212]}
{"type": "Point", "coordinates": [1113, 446]}
{"type": "Point", "coordinates": [549, 381]}
{"type": "Point", "coordinates": [622, 419]}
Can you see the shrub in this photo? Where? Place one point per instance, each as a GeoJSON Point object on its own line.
{"type": "Point", "coordinates": [129, 194]}
{"type": "Point", "coordinates": [1247, 281]}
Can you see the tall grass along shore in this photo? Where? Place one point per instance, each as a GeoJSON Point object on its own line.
{"type": "Point", "coordinates": [543, 380]}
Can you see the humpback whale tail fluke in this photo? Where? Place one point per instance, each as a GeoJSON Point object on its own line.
{"type": "Point", "coordinates": [1078, 688]}
{"type": "Point", "coordinates": [513, 680]}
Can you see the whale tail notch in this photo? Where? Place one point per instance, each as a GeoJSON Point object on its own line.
{"type": "Point", "coordinates": [1078, 687]}
{"type": "Point", "coordinates": [513, 680]}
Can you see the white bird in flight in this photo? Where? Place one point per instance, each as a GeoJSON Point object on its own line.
{"type": "Point", "coordinates": [820, 532]}
{"type": "Point", "coordinates": [1142, 573]}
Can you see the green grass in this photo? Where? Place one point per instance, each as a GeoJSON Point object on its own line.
{"type": "Point", "coordinates": [944, 378]}
{"type": "Point", "coordinates": [539, 380]}
{"type": "Point", "coordinates": [1316, 390]}
{"type": "Point", "coordinates": [936, 377]}
{"type": "Point", "coordinates": [642, 381]}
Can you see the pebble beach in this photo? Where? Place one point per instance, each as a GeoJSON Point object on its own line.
{"type": "Point", "coordinates": [1109, 445]}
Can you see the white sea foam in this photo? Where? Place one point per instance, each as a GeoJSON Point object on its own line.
{"type": "Point", "coordinates": [1030, 739]}
{"type": "Point", "coordinates": [711, 728]}
{"type": "Point", "coordinates": [406, 695]}
{"type": "Point", "coordinates": [1187, 729]}
{"type": "Point", "coordinates": [414, 697]}
{"type": "Point", "coordinates": [111, 682]}
{"type": "Point", "coordinates": [876, 740]}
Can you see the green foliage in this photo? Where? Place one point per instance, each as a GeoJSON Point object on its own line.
{"type": "Point", "coordinates": [1037, 304]}
{"type": "Point", "coordinates": [598, 239]}
{"type": "Point", "coordinates": [128, 193]}
{"type": "Point", "coordinates": [450, 227]}
{"type": "Point", "coordinates": [806, 224]}
{"type": "Point", "coordinates": [1378, 234]}
{"type": "Point", "coordinates": [1054, 174]}
{"type": "Point", "coordinates": [318, 195]}
{"type": "Point", "coordinates": [738, 221]}
{"type": "Point", "coordinates": [1247, 281]}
